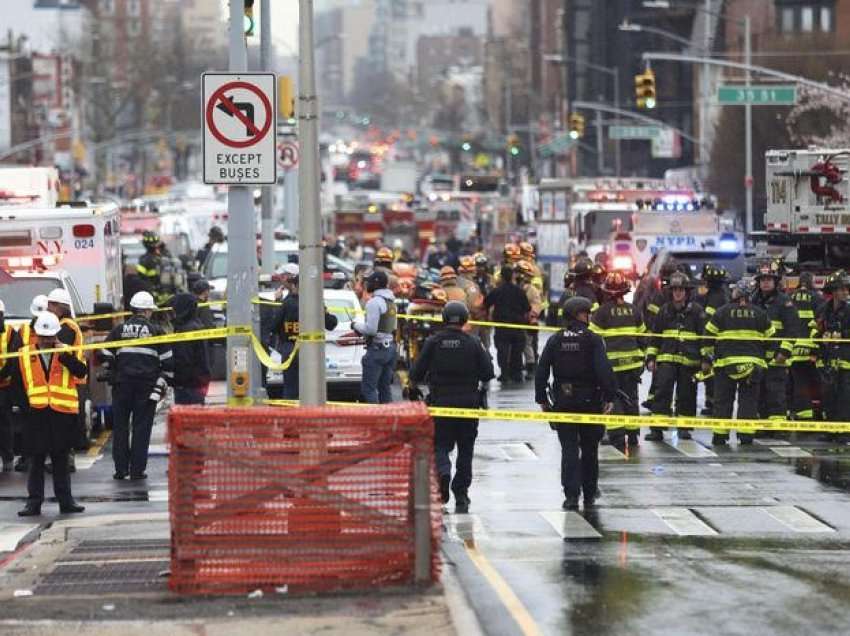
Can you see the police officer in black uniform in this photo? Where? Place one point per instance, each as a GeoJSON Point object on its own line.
{"type": "Point", "coordinates": [584, 382]}
{"type": "Point", "coordinates": [285, 328]}
{"type": "Point", "coordinates": [457, 370]}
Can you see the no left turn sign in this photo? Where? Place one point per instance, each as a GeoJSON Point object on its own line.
{"type": "Point", "coordinates": [239, 128]}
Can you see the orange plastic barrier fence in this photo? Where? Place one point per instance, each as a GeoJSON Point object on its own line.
{"type": "Point", "coordinates": [314, 499]}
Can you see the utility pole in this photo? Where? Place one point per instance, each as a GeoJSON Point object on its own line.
{"type": "Point", "coordinates": [311, 367]}
{"type": "Point", "coordinates": [266, 204]}
{"type": "Point", "coordinates": [600, 144]}
{"type": "Point", "coordinates": [241, 239]}
{"type": "Point", "coordinates": [703, 106]}
{"type": "Point", "coordinates": [748, 126]}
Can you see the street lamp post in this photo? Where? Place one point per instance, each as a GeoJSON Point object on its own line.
{"type": "Point", "coordinates": [614, 72]}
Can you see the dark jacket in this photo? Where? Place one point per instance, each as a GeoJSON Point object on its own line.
{"type": "Point", "coordinates": [611, 321]}
{"type": "Point", "coordinates": [834, 323]}
{"type": "Point", "coordinates": [285, 325]}
{"type": "Point", "coordinates": [143, 363]}
{"type": "Point", "coordinates": [713, 299]}
{"type": "Point", "coordinates": [453, 363]}
{"type": "Point", "coordinates": [745, 326]}
{"type": "Point", "coordinates": [786, 324]}
{"type": "Point", "coordinates": [509, 303]}
{"type": "Point", "coordinates": [191, 364]}
{"type": "Point", "coordinates": [583, 377]}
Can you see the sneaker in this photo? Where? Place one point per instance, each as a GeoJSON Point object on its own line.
{"type": "Point", "coordinates": [654, 436]}
{"type": "Point", "coordinates": [719, 440]}
{"type": "Point", "coordinates": [570, 503]}
{"type": "Point", "coordinates": [461, 504]}
{"type": "Point", "coordinates": [684, 434]}
{"type": "Point", "coordinates": [445, 493]}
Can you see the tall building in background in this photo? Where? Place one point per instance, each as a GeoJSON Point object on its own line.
{"type": "Point", "coordinates": [340, 42]}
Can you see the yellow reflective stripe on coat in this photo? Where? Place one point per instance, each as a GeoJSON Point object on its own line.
{"type": "Point", "coordinates": [677, 359]}
{"type": "Point", "coordinates": [730, 360]}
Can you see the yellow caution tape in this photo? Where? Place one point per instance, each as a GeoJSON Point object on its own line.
{"type": "Point", "coordinates": [316, 336]}
{"type": "Point", "coordinates": [615, 421]}
{"type": "Point", "coordinates": [266, 360]}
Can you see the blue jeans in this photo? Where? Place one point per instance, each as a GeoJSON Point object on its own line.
{"type": "Point", "coordinates": [189, 395]}
{"type": "Point", "coordinates": [378, 368]}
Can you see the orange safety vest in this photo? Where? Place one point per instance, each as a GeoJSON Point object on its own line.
{"type": "Point", "coordinates": [58, 392]}
{"type": "Point", "coordinates": [4, 349]}
{"type": "Point", "coordinates": [78, 341]}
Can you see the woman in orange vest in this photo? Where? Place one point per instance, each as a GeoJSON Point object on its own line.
{"type": "Point", "coordinates": [49, 381]}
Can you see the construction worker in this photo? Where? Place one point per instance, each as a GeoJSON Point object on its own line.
{"type": "Point", "coordinates": [150, 263]}
{"type": "Point", "coordinates": [806, 389]}
{"type": "Point", "coordinates": [584, 382]}
{"type": "Point", "coordinates": [286, 328]}
{"type": "Point", "coordinates": [26, 333]}
{"type": "Point", "coordinates": [509, 305]}
{"type": "Point", "coordinates": [457, 370]}
{"type": "Point", "coordinates": [10, 341]}
{"type": "Point", "coordinates": [59, 304]}
{"type": "Point", "coordinates": [786, 325]}
{"type": "Point", "coordinates": [379, 328]}
{"type": "Point", "coordinates": [716, 295]}
{"type": "Point", "coordinates": [617, 322]}
{"type": "Point", "coordinates": [525, 273]}
{"type": "Point", "coordinates": [739, 360]}
{"type": "Point", "coordinates": [141, 374]}
{"type": "Point", "coordinates": [52, 407]}
{"type": "Point", "coordinates": [833, 322]}
{"type": "Point", "coordinates": [674, 357]}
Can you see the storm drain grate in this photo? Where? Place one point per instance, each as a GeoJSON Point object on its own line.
{"type": "Point", "coordinates": [108, 567]}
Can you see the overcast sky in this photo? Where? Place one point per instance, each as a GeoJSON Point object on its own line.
{"type": "Point", "coordinates": [284, 23]}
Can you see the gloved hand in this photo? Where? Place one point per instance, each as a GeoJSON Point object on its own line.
{"type": "Point", "coordinates": [159, 389]}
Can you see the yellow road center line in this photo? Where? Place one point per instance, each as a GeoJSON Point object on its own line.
{"type": "Point", "coordinates": [503, 591]}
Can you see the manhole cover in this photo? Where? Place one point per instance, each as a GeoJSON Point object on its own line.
{"type": "Point", "coordinates": [108, 567]}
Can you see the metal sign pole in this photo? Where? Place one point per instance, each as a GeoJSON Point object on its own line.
{"type": "Point", "coordinates": [266, 204]}
{"type": "Point", "coordinates": [311, 368]}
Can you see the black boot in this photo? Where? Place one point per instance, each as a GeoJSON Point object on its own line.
{"type": "Point", "coordinates": [655, 435]}
{"type": "Point", "coordinates": [745, 439]}
{"type": "Point", "coordinates": [634, 438]}
{"type": "Point", "coordinates": [30, 510]}
{"type": "Point", "coordinates": [719, 439]}
{"type": "Point", "coordinates": [685, 433]}
{"type": "Point", "coordinates": [70, 507]}
{"type": "Point", "coordinates": [570, 503]}
{"type": "Point", "coordinates": [462, 502]}
{"type": "Point", "coordinates": [445, 493]}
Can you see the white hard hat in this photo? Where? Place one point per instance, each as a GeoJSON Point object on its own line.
{"type": "Point", "coordinates": [46, 324]}
{"type": "Point", "coordinates": [60, 296]}
{"type": "Point", "coordinates": [38, 304]}
{"type": "Point", "coordinates": [142, 300]}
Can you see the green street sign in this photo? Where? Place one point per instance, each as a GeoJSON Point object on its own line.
{"type": "Point", "coordinates": [559, 145]}
{"type": "Point", "coordinates": [634, 132]}
{"type": "Point", "coordinates": [764, 95]}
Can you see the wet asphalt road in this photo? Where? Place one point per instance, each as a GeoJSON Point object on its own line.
{"type": "Point", "coordinates": [686, 539]}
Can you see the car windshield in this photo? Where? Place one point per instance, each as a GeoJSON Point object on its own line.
{"type": "Point", "coordinates": [342, 308]}
{"type": "Point", "coordinates": [18, 293]}
{"type": "Point", "coordinates": [598, 225]}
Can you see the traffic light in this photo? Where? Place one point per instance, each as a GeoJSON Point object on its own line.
{"type": "Point", "coordinates": [576, 126]}
{"type": "Point", "coordinates": [514, 145]}
{"type": "Point", "coordinates": [249, 18]}
{"type": "Point", "coordinates": [285, 98]}
{"type": "Point", "coordinates": [645, 89]}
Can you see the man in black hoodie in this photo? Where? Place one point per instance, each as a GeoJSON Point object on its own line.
{"type": "Point", "coordinates": [191, 365]}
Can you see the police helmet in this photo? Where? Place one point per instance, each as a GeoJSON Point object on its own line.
{"type": "Point", "coordinates": [455, 313]}
{"type": "Point", "coordinates": [377, 280]}
{"type": "Point", "coordinates": [577, 305]}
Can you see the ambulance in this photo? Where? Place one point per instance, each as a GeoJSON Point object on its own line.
{"type": "Point", "coordinates": [79, 238]}
{"type": "Point", "coordinates": [29, 185]}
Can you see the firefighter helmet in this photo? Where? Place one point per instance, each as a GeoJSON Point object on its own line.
{"type": "Point", "coordinates": [524, 268]}
{"type": "Point", "coordinates": [714, 273]}
{"type": "Point", "coordinates": [150, 239]}
{"type": "Point", "coordinates": [616, 284]}
{"type": "Point", "coordinates": [439, 295]}
{"type": "Point", "coordinates": [679, 280]}
{"type": "Point", "coordinates": [577, 305]}
{"type": "Point", "coordinates": [772, 269]}
{"type": "Point", "coordinates": [670, 265]}
{"type": "Point", "coordinates": [527, 250]}
{"type": "Point", "coordinates": [583, 267]}
{"type": "Point", "coordinates": [455, 313]}
{"type": "Point", "coordinates": [384, 256]}
{"type": "Point", "coordinates": [836, 280]}
{"type": "Point", "coordinates": [511, 252]}
{"type": "Point", "coordinates": [598, 273]}
{"type": "Point", "coordinates": [447, 273]}
{"type": "Point", "coordinates": [466, 265]}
